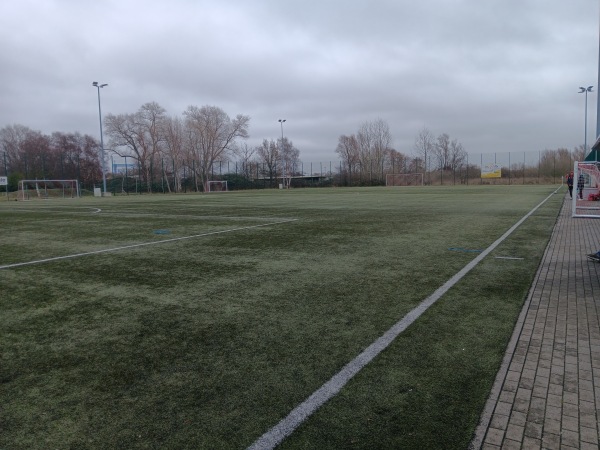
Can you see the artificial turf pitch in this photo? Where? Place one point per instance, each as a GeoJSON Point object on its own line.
{"type": "Point", "coordinates": [200, 321]}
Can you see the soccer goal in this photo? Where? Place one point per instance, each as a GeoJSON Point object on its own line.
{"type": "Point", "coordinates": [47, 189]}
{"type": "Point", "coordinates": [586, 197]}
{"type": "Point", "coordinates": [404, 179]}
{"type": "Point", "coordinates": [217, 186]}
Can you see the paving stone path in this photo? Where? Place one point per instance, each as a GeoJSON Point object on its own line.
{"type": "Point", "coordinates": [547, 392]}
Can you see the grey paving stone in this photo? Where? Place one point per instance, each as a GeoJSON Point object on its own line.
{"type": "Point", "coordinates": [551, 441]}
{"type": "Point", "coordinates": [499, 421]}
{"type": "Point", "coordinates": [514, 432]}
{"type": "Point", "coordinates": [518, 418]}
{"type": "Point", "coordinates": [570, 423]}
{"type": "Point", "coordinates": [571, 397]}
{"type": "Point", "coordinates": [588, 421]}
{"type": "Point", "coordinates": [534, 429]}
{"type": "Point", "coordinates": [589, 435]}
{"type": "Point", "coordinates": [554, 412]}
{"type": "Point", "coordinates": [509, 444]}
{"type": "Point", "coordinates": [494, 436]}
{"type": "Point", "coordinates": [531, 443]}
{"type": "Point", "coordinates": [587, 408]}
{"type": "Point", "coordinates": [503, 408]}
{"type": "Point", "coordinates": [551, 426]}
{"type": "Point", "coordinates": [550, 397]}
{"type": "Point", "coordinates": [554, 400]}
{"type": "Point", "coordinates": [570, 438]}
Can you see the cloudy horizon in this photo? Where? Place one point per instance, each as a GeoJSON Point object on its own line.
{"type": "Point", "coordinates": [497, 76]}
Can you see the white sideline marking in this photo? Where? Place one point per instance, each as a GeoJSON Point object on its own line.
{"type": "Point", "coordinates": [106, 250]}
{"type": "Point", "coordinates": [300, 413]}
{"type": "Point", "coordinates": [508, 257]}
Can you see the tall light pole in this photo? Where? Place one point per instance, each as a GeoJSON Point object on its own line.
{"type": "Point", "coordinates": [282, 165]}
{"type": "Point", "coordinates": [586, 90]}
{"type": "Point", "coordinates": [95, 83]}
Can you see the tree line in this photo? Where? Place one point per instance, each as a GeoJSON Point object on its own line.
{"type": "Point", "coordinates": [180, 149]}
{"type": "Point", "coordinates": [368, 153]}
{"type": "Point", "coordinates": [185, 149]}
{"type": "Point", "coordinates": [32, 155]}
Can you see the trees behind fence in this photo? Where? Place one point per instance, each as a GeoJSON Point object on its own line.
{"type": "Point", "coordinates": [165, 156]}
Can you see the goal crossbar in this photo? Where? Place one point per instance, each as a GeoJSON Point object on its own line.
{"type": "Point", "coordinates": [217, 186]}
{"type": "Point", "coordinates": [48, 189]}
{"type": "Point", "coordinates": [404, 179]}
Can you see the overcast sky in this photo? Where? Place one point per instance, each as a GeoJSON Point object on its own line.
{"type": "Point", "coordinates": [498, 75]}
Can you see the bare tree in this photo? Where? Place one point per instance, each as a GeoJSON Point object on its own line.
{"type": "Point", "coordinates": [245, 154]}
{"type": "Point", "coordinates": [138, 136]}
{"type": "Point", "coordinates": [424, 144]}
{"type": "Point", "coordinates": [458, 155]}
{"type": "Point", "coordinates": [348, 150]}
{"type": "Point", "coordinates": [290, 159]}
{"type": "Point", "coordinates": [12, 140]}
{"type": "Point", "coordinates": [74, 156]}
{"type": "Point", "coordinates": [579, 153]}
{"type": "Point", "coordinates": [441, 150]}
{"type": "Point", "coordinates": [31, 154]}
{"type": "Point", "coordinates": [399, 162]}
{"type": "Point", "coordinates": [212, 136]}
{"type": "Point", "coordinates": [268, 154]}
{"type": "Point", "coordinates": [374, 141]}
{"type": "Point", "coordinates": [173, 132]}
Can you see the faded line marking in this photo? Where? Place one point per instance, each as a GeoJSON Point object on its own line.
{"type": "Point", "coordinates": [286, 426]}
{"type": "Point", "coordinates": [143, 244]}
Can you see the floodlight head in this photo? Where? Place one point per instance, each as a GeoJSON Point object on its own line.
{"type": "Point", "coordinates": [582, 89]}
{"type": "Point", "coordinates": [589, 89]}
{"type": "Point", "coordinates": [95, 83]}
{"type": "Point", "coordinates": [282, 120]}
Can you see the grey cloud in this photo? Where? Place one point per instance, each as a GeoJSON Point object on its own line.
{"type": "Point", "coordinates": [497, 75]}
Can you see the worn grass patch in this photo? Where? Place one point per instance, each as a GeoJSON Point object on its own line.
{"type": "Point", "coordinates": [208, 342]}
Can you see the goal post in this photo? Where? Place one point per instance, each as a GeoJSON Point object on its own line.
{"type": "Point", "coordinates": [586, 196]}
{"type": "Point", "coordinates": [404, 179]}
{"type": "Point", "coordinates": [217, 186]}
{"type": "Point", "coordinates": [47, 189]}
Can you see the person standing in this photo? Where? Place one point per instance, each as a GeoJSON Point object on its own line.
{"type": "Point", "coordinates": [580, 183]}
{"type": "Point", "coordinates": [570, 183]}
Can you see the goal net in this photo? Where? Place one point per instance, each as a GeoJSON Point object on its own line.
{"type": "Point", "coordinates": [217, 186]}
{"type": "Point", "coordinates": [404, 179]}
{"type": "Point", "coordinates": [47, 189]}
{"type": "Point", "coordinates": [586, 195]}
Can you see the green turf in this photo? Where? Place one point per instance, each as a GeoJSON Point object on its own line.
{"type": "Point", "coordinates": [208, 342]}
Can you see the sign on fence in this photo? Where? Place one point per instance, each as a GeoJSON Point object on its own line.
{"type": "Point", "coordinates": [3, 181]}
{"type": "Point", "coordinates": [491, 171]}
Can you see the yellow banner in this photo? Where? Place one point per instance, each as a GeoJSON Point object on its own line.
{"type": "Point", "coordinates": [491, 171]}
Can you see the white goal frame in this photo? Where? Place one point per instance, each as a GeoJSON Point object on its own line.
{"type": "Point", "coordinates": [586, 207]}
{"type": "Point", "coordinates": [217, 186]}
{"type": "Point", "coordinates": [40, 189]}
{"type": "Point", "coordinates": [403, 179]}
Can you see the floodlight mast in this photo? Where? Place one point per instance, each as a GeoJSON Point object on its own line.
{"type": "Point", "coordinates": [282, 164]}
{"type": "Point", "coordinates": [98, 86]}
{"type": "Point", "coordinates": [581, 91]}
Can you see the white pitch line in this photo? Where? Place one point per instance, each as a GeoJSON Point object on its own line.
{"type": "Point", "coordinates": [294, 419]}
{"type": "Point", "coordinates": [508, 257]}
{"type": "Point", "coordinates": [106, 250]}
